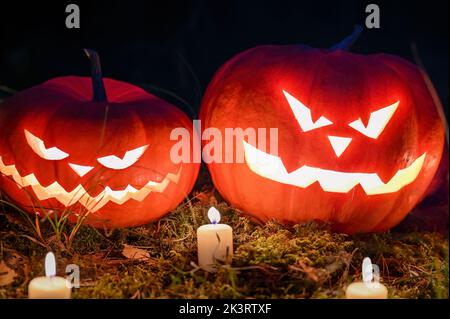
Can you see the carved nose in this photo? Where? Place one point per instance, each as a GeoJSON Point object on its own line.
{"type": "Point", "coordinates": [81, 170]}
{"type": "Point", "coordinates": [339, 144]}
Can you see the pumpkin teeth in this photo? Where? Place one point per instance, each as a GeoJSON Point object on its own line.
{"type": "Point", "coordinates": [271, 167]}
{"type": "Point", "coordinates": [80, 195]}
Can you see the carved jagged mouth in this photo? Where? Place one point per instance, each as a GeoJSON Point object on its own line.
{"type": "Point", "coordinates": [271, 167]}
{"type": "Point", "coordinates": [80, 194]}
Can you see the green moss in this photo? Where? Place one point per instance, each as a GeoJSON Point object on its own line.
{"type": "Point", "coordinates": [270, 261]}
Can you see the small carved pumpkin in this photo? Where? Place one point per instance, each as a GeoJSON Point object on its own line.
{"type": "Point", "coordinates": [99, 149]}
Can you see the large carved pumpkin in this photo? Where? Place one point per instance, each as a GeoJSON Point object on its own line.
{"type": "Point", "coordinates": [102, 152]}
{"type": "Point", "coordinates": [359, 137]}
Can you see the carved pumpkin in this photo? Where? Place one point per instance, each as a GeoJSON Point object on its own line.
{"type": "Point", "coordinates": [359, 137]}
{"type": "Point", "coordinates": [100, 149]}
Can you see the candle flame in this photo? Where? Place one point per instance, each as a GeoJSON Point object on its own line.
{"type": "Point", "coordinates": [214, 215]}
{"type": "Point", "coordinates": [367, 270]}
{"type": "Point", "coordinates": [50, 265]}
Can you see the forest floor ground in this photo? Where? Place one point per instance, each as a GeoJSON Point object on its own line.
{"type": "Point", "coordinates": [270, 260]}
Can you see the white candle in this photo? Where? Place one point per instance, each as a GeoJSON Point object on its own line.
{"type": "Point", "coordinates": [215, 242]}
{"type": "Point", "coordinates": [50, 286]}
{"type": "Point", "coordinates": [370, 287]}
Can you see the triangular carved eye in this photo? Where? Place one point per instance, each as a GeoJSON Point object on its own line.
{"type": "Point", "coordinates": [377, 121]}
{"type": "Point", "coordinates": [131, 157]}
{"type": "Point", "coordinates": [303, 114]}
{"type": "Point", "coordinates": [38, 146]}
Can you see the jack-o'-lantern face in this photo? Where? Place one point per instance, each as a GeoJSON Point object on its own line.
{"type": "Point", "coordinates": [111, 160]}
{"type": "Point", "coordinates": [359, 137]}
{"type": "Point", "coordinates": [272, 167]}
{"type": "Point", "coordinates": [93, 196]}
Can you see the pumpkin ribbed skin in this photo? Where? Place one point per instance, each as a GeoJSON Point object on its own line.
{"type": "Point", "coordinates": [247, 91]}
{"type": "Point", "coordinates": [61, 113]}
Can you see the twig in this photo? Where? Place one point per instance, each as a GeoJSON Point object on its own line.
{"type": "Point", "coordinates": [347, 267]}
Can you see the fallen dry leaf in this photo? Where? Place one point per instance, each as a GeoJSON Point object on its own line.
{"type": "Point", "coordinates": [135, 253]}
{"type": "Point", "coordinates": [7, 275]}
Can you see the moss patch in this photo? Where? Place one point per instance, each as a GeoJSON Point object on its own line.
{"type": "Point", "coordinates": [271, 260]}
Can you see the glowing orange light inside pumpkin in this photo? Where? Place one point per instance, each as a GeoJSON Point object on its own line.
{"type": "Point", "coordinates": [81, 170]}
{"type": "Point", "coordinates": [39, 148]}
{"type": "Point", "coordinates": [339, 144]}
{"type": "Point", "coordinates": [377, 121]}
{"type": "Point", "coordinates": [272, 167]}
{"type": "Point", "coordinates": [80, 194]}
{"type": "Point", "coordinates": [130, 157]}
{"type": "Point", "coordinates": [303, 114]}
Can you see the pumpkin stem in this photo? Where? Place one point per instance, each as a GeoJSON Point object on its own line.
{"type": "Point", "coordinates": [98, 87]}
{"type": "Point", "coordinates": [349, 40]}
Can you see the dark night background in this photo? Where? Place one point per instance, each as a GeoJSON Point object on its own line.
{"type": "Point", "coordinates": [178, 45]}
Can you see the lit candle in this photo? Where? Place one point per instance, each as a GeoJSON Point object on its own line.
{"type": "Point", "coordinates": [370, 287]}
{"type": "Point", "coordinates": [50, 286]}
{"type": "Point", "coordinates": [215, 242]}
